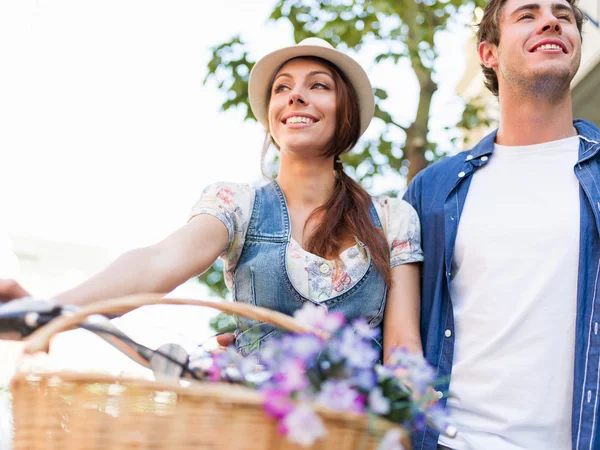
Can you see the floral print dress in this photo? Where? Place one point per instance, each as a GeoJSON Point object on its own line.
{"type": "Point", "coordinates": [314, 277]}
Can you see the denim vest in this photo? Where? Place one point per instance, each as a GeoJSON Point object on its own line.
{"type": "Point", "coordinates": [438, 193]}
{"type": "Point", "coordinates": [261, 277]}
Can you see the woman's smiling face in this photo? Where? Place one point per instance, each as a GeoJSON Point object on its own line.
{"type": "Point", "coordinates": [303, 106]}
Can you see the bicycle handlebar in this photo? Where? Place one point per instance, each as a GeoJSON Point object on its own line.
{"type": "Point", "coordinates": [22, 317]}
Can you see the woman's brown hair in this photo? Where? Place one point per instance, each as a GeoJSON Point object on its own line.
{"type": "Point", "coordinates": [347, 212]}
{"type": "Point", "coordinates": [488, 30]}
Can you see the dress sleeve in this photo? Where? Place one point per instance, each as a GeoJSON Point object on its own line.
{"type": "Point", "coordinates": [402, 229]}
{"type": "Point", "coordinates": [231, 203]}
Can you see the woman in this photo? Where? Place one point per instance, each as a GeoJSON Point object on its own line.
{"type": "Point", "coordinates": [312, 234]}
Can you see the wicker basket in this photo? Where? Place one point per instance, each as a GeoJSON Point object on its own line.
{"type": "Point", "coordinates": [75, 411]}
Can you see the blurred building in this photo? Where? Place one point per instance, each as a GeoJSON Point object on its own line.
{"type": "Point", "coordinates": [585, 86]}
{"type": "Point", "coordinates": [48, 267]}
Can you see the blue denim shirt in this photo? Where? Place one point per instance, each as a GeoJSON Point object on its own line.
{"type": "Point", "coordinates": [438, 194]}
{"type": "Point", "coordinates": [261, 277]}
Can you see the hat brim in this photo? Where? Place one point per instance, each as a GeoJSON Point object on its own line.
{"type": "Point", "coordinates": [264, 69]}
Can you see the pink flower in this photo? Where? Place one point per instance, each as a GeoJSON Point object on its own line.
{"type": "Point", "coordinates": [277, 404]}
{"type": "Point", "coordinates": [214, 373]}
{"type": "Point", "coordinates": [292, 376]}
{"type": "Point", "coordinates": [303, 426]}
{"type": "Point", "coordinates": [318, 317]}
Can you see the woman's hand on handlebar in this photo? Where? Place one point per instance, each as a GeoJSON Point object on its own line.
{"type": "Point", "coordinates": [226, 339]}
{"type": "Point", "coordinates": [10, 289]}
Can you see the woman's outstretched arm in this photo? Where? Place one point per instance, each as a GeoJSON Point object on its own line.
{"type": "Point", "coordinates": [403, 310]}
{"type": "Point", "coordinates": [159, 268]}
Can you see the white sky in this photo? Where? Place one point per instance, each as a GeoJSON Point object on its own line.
{"type": "Point", "coordinates": [107, 135]}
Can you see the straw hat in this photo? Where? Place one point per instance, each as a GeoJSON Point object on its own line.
{"type": "Point", "coordinates": [265, 68]}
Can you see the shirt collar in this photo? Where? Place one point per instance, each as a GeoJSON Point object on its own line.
{"type": "Point", "coordinates": [586, 130]}
{"type": "Point", "coordinates": [485, 146]}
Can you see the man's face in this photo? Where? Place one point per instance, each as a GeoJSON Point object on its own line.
{"type": "Point", "coordinates": [540, 46]}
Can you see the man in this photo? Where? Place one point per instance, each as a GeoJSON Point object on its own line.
{"type": "Point", "coordinates": [510, 229]}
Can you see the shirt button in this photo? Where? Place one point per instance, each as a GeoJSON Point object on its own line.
{"type": "Point", "coordinates": [469, 158]}
{"type": "Point", "coordinates": [484, 158]}
{"type": "Point", "coordinates": [440, 394]}
{"type": "Point", "coordinates": [324, 268]}
{"type": "Point", "coordinates": [461, 174]}
{"type": "Point", "coordinates": [447, 333]}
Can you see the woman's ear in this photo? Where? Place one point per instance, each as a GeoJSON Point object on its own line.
{"type": "Point", "coordinates": [488, 54]}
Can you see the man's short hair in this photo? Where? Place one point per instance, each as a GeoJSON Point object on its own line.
{"type": "Point", "coordinates": [489, 31]}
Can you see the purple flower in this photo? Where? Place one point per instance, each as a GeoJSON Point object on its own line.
{"type": "Point", "coordinates": [305, 347]}
{"type": "Point", "coordinates": [247, 365]}
{"type": "Point", "coordinates": [221, 361]}
{"type": "Point", "coordinates": [364, 379]}
{"type": "Point", "coordinates": [412, 370]}
{"type": "Point", "coordinates": [291, 376]}
{"type": "Point", "coordinates": [269, 353]}
{"type": "Point", "coordinates": [384, 372]}
{"type": "Point", "coordinates": [214, 371]}
{"type": "Point", "coordinates": [359, 353]}
{"type": "Point", "coordinates": [419, 419]}
{"type": "Point", "coordinates": [362, 328]}
{"type": "Point", "coordinates": [339, 395]}
{"type": "Point", "coordinates": [391, 440]}
{"type": "Point", "coordinates": [318, 317]}
{"type": "Point", "coordinates": [277, 404]}
{"type": "Point", "coordinates": [337, 373]}
{"type": "Point", "coordinates": [438, 417]}
{"type": "Point", "coordinates": [421, 378]}
{"type": "Point", "coordinates": [303, 426]}
{"type": "Point", "coordinates": [378, 403]}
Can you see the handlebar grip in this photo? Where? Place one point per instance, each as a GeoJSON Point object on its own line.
{"type": "Point", "coordinates": [16, 325]}
{"type": "Point", "coordinates": [12, 327]}
{"type": "Point", "coordinates": [21, 317]}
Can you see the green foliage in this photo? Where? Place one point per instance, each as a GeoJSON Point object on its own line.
{"type": "Point", "coordinates": [231, 68]}
{"type": "Point", "coordinates": [474, 116]}
{"type": "Point", "coordinates": [4, 391]}
{"type": "Point", "coordinates": [213, 278]}
{"type": "Point", "coordinates": [401, 30]}
{"type": "Point", "coordinates": [223, 323]}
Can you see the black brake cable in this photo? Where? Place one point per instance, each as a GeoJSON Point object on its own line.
{"type": "Point", "coordinates": [96, 329]}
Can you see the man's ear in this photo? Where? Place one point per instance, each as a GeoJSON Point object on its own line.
{"type": "Point", "coordinates": [488, 54]}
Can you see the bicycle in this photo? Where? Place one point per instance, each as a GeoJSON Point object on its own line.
{"type": "Point", "coordinates": [68, 410]}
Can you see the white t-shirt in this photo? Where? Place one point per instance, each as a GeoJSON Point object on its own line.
{"type": "Point", "coordinates": [314, 277]}
{"type": "Point", "coordinates": [514, 294]}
